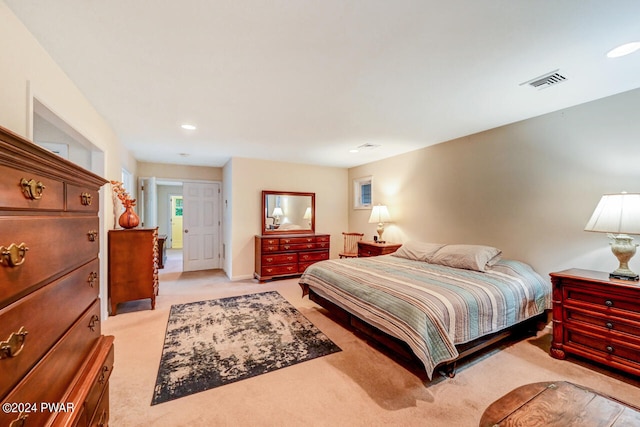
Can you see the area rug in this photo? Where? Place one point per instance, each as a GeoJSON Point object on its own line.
{"type": "Point", "coordinates": [212, 343]}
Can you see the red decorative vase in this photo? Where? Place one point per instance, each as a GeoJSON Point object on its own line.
{"type": "Point", "coordinates": [129, 219]}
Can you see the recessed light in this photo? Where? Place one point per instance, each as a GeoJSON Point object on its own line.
{"type": "Point", "coordinates": [188, 126]}
{"type": "Point", "coordinates": [354, 150]}
{"type": "Point", "coordinates": [623, 50]}
{"type": "Point", "coordinates": [184, 154]}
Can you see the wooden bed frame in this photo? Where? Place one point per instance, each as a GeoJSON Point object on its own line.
{"type": "Point", "coordinates": [527, 327]}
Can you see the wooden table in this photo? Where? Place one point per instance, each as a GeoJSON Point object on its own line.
{"type": "Point", "coordinates": [558, 404]}
{"type": "Point", "coordinates": [366, 248]}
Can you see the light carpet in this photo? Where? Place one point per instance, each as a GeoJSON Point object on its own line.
{"type": "Point", "coordinates": [358, 386]}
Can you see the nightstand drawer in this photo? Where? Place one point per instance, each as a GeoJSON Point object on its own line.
{"type": "Point", "coordinates": [614, 349]}
{"type": "Point", "coordinates": [605, 323]}
{"type": "Point", "coordinates": [600, 300]}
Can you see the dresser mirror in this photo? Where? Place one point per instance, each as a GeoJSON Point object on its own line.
{"type": "Point", "coordinates": [288, 212]}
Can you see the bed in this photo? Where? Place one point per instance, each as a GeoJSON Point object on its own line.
{"type": "Point", "coordinates": [437, 303]}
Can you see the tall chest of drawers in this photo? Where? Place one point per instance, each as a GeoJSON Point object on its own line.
{"type": "Point", "coordinates": [54, 362]}
{"type": "Point", "coordinates": [133, 266]}
{"type": "Point", "coordinates": [596, 318]}
{"type": "Point", "coordinates": [288, 255]}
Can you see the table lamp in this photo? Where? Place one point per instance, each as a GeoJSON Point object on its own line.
{"type": "Point", "coordinates": [618, 215]}
{"type": "Point", "coordinates": [380, 215]}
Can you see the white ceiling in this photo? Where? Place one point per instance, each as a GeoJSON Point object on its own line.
{"type": "Point", "coordinates": [308, 80]}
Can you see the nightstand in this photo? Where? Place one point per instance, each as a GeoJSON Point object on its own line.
{"type": "Point", "coordinates": [597, 318]}
{"type": "Point", "coordinates": [366, 249]}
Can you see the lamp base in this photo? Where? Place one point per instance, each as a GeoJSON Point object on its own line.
{"type": "Point", "coordinates": [618, 276]}
{"type": "Point", "coordinates": [624, 249]}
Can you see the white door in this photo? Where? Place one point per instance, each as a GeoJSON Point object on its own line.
{"type": "Point", "coordinates": [201, 222]}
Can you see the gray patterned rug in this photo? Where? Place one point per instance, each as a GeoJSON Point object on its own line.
{"type": "Point", "coordinates": [213, 343]}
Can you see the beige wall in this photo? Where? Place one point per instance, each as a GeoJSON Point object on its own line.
{"type": "Point", "coordinates": [528, 188]}
{"type": "Point", "coordinates": [27, 71]}
{"type": "Point", "coordinates": [179, 172]}
{"type": "Point", "coordinates": [244, 180]}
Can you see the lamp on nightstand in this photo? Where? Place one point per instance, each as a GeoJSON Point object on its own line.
{"type": "Point", "coordinates": [307, 215]}
{"type": "Point", "coordinates": [618, 215]}
{"type": "Point", "coordinates": [380, 215]}
{"type": "Point", "coordinates": [277, 213]}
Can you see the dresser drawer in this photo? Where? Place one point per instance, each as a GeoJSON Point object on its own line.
{"type": "Point", "coordinates": [45, 315]}
{"type": "Point", "coordinates": [269, 260]}
{"type": "Point", "coordinates": [99, 387]}
{"type": "Point", "coordinates": [600, 301]}
{"type": "Point", "coordinates": [280, 269]}
{"type": "Point", "coordinates": [297, 240]}
{"type": "Point", "coordinates": [82, 199]}
{"type": "Point", "coordinates": [270, 242]}
{"type": "Point", "coordinates": [49, 192]}
{"type": "Point", "coordinates": [101, 415]}
{"type": "Point", "coordinates": [49, 379]}
{"type": "Point", "coordinates": [297, 246]}
{"type": "Point", "coordinates": [313, 256]}
{"type": "Point", "coordinates": [55, 245]}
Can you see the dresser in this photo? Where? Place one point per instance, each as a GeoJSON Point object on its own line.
{"type": "Point", "coordinates": [54, 362]}
{"type": "Point", "coordinates": [597, 318]}
{"type": "Point", "coordinates": [133, 266]}
{"type": "Point", "coordinates": [288, 255]}
{"type": "Point", "coordinates": [366, 248]}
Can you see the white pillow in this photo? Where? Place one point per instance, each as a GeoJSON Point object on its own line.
{"type": "Point", "coordinates": [418, 251]}
{"type": "Point", "coordinates": [469, 257]}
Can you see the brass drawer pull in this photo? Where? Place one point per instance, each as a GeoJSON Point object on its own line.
{"type": "Point", "coordinates": [103, 375]}
{"type": "Point", "coordinates": [609, 325]}
{"type": "Point", "coordinates": [93, 234]}
{"type": "Point", "coordinates": [85, 199]}
{"type": "Point", "coordinates": [19, 422]}
{"type": "Point", "coordinates": [104, 417]}
{"type": "Point", "coordinates": [14, 255]}
{"type": "Point", "coordinates": [93, 276]}
{"type": "Point", "coordinates": [94, 322]}
{"type": "Point", "coordinates": [609, 349]}
{"type": "Point", "coordinates": [608, 303]}
{"type": "Point", "coordinates": [32, 189]}
{"type": "Point", "coordinates": [14, 345]}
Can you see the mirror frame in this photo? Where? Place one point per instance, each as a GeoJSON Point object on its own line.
{"type": "Point", "coordinates": [266, 193]}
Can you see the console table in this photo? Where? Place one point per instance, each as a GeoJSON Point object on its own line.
{"type": "Point", "coordinates": [288, 255]}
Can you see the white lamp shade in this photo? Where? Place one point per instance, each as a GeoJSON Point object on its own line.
{"type": "Point", "coordinates": [616, 213]}
{"type": "Point", "coordinates": [277, 212]}
{"type": "Point", "coordinates": [379, 214]}
{"type": "Point", "coordinates": [307, 213]}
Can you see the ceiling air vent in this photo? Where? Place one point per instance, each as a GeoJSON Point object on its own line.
{"type": "Point", "coordinates": [368, 146]}
{"type": "Point", "coordinates": [546, 80]}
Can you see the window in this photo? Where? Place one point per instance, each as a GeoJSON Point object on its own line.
{"type": "Point", "coordinates": [362, 193]}
{"type": "Point", "coordinates": [127, 181]}
{"type": "Point", "coordinates": [178, 207]}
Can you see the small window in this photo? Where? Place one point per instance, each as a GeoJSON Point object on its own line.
{"type": "Point", "coordinates": [362, 192]}
{"type": "Point", "coordinates": [178, 211]}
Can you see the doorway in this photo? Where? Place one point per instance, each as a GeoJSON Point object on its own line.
{"type": "Point", "coordinates": [188, 213]}
{"type": "Point", "coordinates": [175, 219]}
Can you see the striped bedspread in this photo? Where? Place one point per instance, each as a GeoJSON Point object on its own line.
{"type": "Point", "coordinates": [431, 307]}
